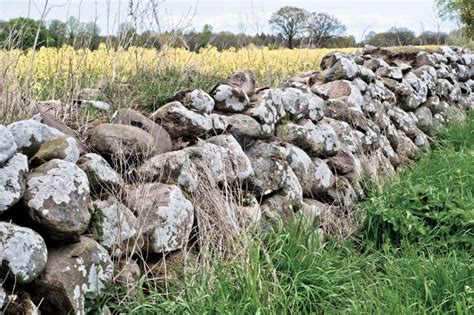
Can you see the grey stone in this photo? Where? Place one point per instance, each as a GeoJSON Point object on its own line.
{"type": "Point", "coordinates": [102, 177]}
{"type": "Point", "coordinates": [230, 98]}
{"type": "Point", "coordinates": [164, 214]}
{"type": "Point", "coordinates": [7, 145]}
{"type": "Point", "coordinates": [244, 79]}
{"type": "Point", "coordinates": [22, 251]}
{"type": "Point", "coordinates": [57, 199]}
{"type": "Point", "coordinates": [63, 148]}
{"type": "Point", "coordinates": [12, 183]}
{"type": "Point", "coordinates": [345, 68]}
{"type": "Point", "coordinates": [268, 109]}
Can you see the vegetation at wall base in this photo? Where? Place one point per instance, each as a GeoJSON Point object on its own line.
{"type": "Point", "coordinates": [413, 255]}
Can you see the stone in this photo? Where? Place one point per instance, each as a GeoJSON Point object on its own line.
{"type": "Point", "coordinates": [89, 94]}
{"type": "Point", "coordinates": [366, 74]}
{"type": "Point", "coordinates": [302, 166]}
{"type": "Point", "coordinates": [390, 72]}
{"type": "Point", "coordinates": [121, 141]}
{"type": "Point", "coordinates": [244, 79]}
{"type": "Point", "coordinates": [30, 134]}
{"type": "Point", "coordinates": [342, 192]}
{"type": "Point", "coordinates": [57, 199]}
{"type": "Point", "coordinates": [246, 130]}
{"type": "Point", "coordinates": [174, 167]}
{"type": "Point", "coordinates": [424, 58]}
{"type": "Point", "coordinates": [417, 84]}
{"type": "Point", "coordinates": [102, 177]}
{"type": "Point", "coordinates": [345, 68]}
{"type": "Point", "coordinates": [342, 163]}
{"type": "Point", "coordinates": [7, 145]}
{"type": "Point", "coordinates": [324, 177]}
{"type": "Point", "coordinates": [270, 167]}
{"type": "Point", "coordinates": [268, 109]}
{"type": "Point", "coordinates": [164, 215]}
{"type": "Point", "coordinates": [321, 136]}
{"type": "Point", "coordinates": [133, 118]}
{"type": "Point", "coordinates": [346, 134]}
{"type": "Point", "coordinates": [230, 99]}
{"type": "Point", "coordinates": [375, 63]}
{"type": "Point", "coordinates": [197, 100]}
{"type": "Point", "coordinates": [220, 123]}
{"type": "Point", "coordinates": [211, 161]}
{"type": "Point", "coordinates": [73, 272]}
{"type": "Point", "coordinates": [182, 122]}
{"type": "Point", "coordinates": [292, 190]}
{"type": "Point", "coordinates": [12, 183]}
{"type": "Point", "coordinates": [97, 105]}
{"type": "Point", "coordinates": [406, 148]}
{"type": "Point", "coordinates": [313, 211]}
{"type": "Point", "coordinates": [63, 148]}
{"type": "Point", "coordinates": [3, 296]}
{"type": "Point", "coordinates": [407, 98]}
{"type": "Point", "coordinates": [127, 274]}
{"type": "Point", "coordinates": [404, 121]}
{"type": "Point", "coordinates": [425, 119]}
{"type": "Point", "coordinates": [22, 251]}
{"type": "Point", "coordinates": [340, 110]}
{"type": "Point", "coordinates": [116, 227]}
{"type": "Point", "coordinates": [300, 105]}
{"type": "Point", "coordinates": [276, 211]}
{"type": "Point", "coordinates": [238, 166]}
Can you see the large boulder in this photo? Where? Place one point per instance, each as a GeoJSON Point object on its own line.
{"type": "Point", "coordinates": [122, 141]}
{"type": "Point", "coordinates": [131, 117]}
{"type": "Point", "coordinates": [73, 272]}
{"type": "Point", "coordinates": [230, 98]}
{"type": "Point", "coordinates": [12, 183]}
{"type": "Point", "coordinates": [181, 122]}
{"type": "Point", "coordinates": [7, 145]}
{"type": "Point", "coordinates": [22, 251]}
{"type": "Point", "coordinates": [102, 177]}
{"type": "Point", "coordinates": [164, 215]}
{"type": "Point", "coordinates": [115, 226]}
{"type": "Point", "coordinates": [30, 134]}
{"type": "Point", "coordinates": [57, 199]}
{"type": "Point", "coordinates": [63, 148]}
{"type": "Point", "coordinates": [244, 79]}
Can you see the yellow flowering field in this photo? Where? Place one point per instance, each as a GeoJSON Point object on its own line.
{"type": "Point", "coordinates": [52, 68]}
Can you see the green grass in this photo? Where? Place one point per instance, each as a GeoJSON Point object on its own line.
{"type": "Point", "coordinates": [412, 256]}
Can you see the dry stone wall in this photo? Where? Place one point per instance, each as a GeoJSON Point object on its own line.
{"type": "Point", "coordinates": [71, 210]}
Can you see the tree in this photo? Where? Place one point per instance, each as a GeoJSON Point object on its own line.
{"type": "Point", "coordinates": [290, 22]}
{"type": "Point", "coordinates": [127, 34]}
{"type": "Point", "coordinates": [205, 37]}
{"type": "Point", "coordinates": [461, 10]}
{"type": "Point", "coordinates": [21, 33]}
{"type": "Point", "coordinates": [432, 38]}
{"type": "Point", "coordinates": [393, 37]}
{"type": "Point", "coordinates": [58, 32]}
{"type": "Point", "coordinates": [322, 27]}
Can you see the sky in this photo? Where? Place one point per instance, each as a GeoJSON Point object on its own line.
{"type": "Point", "coordinates": [249, 16]}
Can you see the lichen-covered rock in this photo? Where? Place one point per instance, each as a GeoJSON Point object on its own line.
{"type": "Point", "coordinates": [425, 119]}
{"type": "Point", "coordinates": [102, 177]}
{"type": "Point", "coordinates": [72, 272]}
{"type": "Point", "coordinates": [345, 68]}
{"type": "Point", "coordinates": [366, 74]}
{"type": "Point", "coordinates": [375, 63]}
{"type": "Point", "coordinates": [269, 164]}
{"type": "Point", "coordinates": [342, 192]}
{"type": "Point", "coordinates": [346, 134]}
{"type": "Point", "coordinates": [115, 226]}
{"type": "Point", "coordinates": [7, 145]}
{"type": "Point", "coordinates": [424, 58]}
{"type": "Point", "coordinates": [246, 130]}
{"type": "Point", "coordinates": [244, 79]}
{"type": "Point", "coordinates": [406, 148]}
{"type": "Point", "coordinates": [323, 175]}
{"type": "Point", "coordinates": [197, 100]}
{"type": "Point", "coordinates": [268, 109]}
{"type": "Point", "coordinates": [98, 105]}
{"type": "Point", "coordinates": [302, 105]}
{"type": "Point", "coordinates": [292, 190]}
{"type": "Point", "coordinates": [394, 73]}
{"type": "Point", "coordinates": [342, 163]}
{"type": "Point", "coordinates": [122, 141]}
{"type": "Point", "coordinates": [404, 121]}
{"type": "Point", "coordinates": [173, 167]}
{"type": "Point", "coordinates": [276, 211]}
{"type": "Point", "coordinates": [3, 296]}
{"type": "Point", "coordinates": [407, 97]}
{"type": "Point", "coordinates": [63, 148]}
{"type": "Point", "coordinates": [302, 166]}
{"type": "Point", "coordinates": [22, 251]}
{"type": "Point", "coordinates": [131, 117]}
{"type": "Point", "coordinates": [321, 136]}
{"type": "Point", "coordinates": [237, 164]}
{"type": "Point", "coordinates": [12, 183]}
{"type": "Point", "coordinates": [181, 122]}
{"type": "Point", "coordinates": [230, 99]}
{"type": "Point", "coordinates": [30, 134]}
{"type": "Point", "coordinates": [127, 274]}
{"type": "Point", "coordinates": [164, 215]}
{"type": "Point", "coordinates": [57, 199]}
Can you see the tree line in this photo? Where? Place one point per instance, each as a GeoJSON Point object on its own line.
{"type": "Point", "coordinates": [292, 27]}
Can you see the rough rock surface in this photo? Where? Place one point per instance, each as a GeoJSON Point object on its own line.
{"type": "Point", "coordinates": [244, 79]}
{"type": "Point", "coordinates": [181, 122]}
{"type": "Point", "coordinates": [131, 117]}
{"type": "Point", "coordinates": [165, 215]}
{"type": "Point", "coordinates": [57, 198]}
{"type": "Point", "coordinates": [7, 145]}
{"type": "Point", "coordinates": [63, 148]}
{"type": "Point", "coordinates": [30, 134]}
{"type": "Point", "coordinates": [12, 181]}
{"type": "Point", "coordinates": [230, 98]}
{"type": "Point", "coordinates": [102, 177]}
{"type": "Point", "coordinates": [22, 251]}
{"type": "Point", "coordinates": [122, 141]}
{"type": "Point", "coordinates": [72, 272]}
{"type": "Point", "coordinates": [116, 226]}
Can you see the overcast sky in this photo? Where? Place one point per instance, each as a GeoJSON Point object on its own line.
{"type": "Point", "coordinates": [360, 16]}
